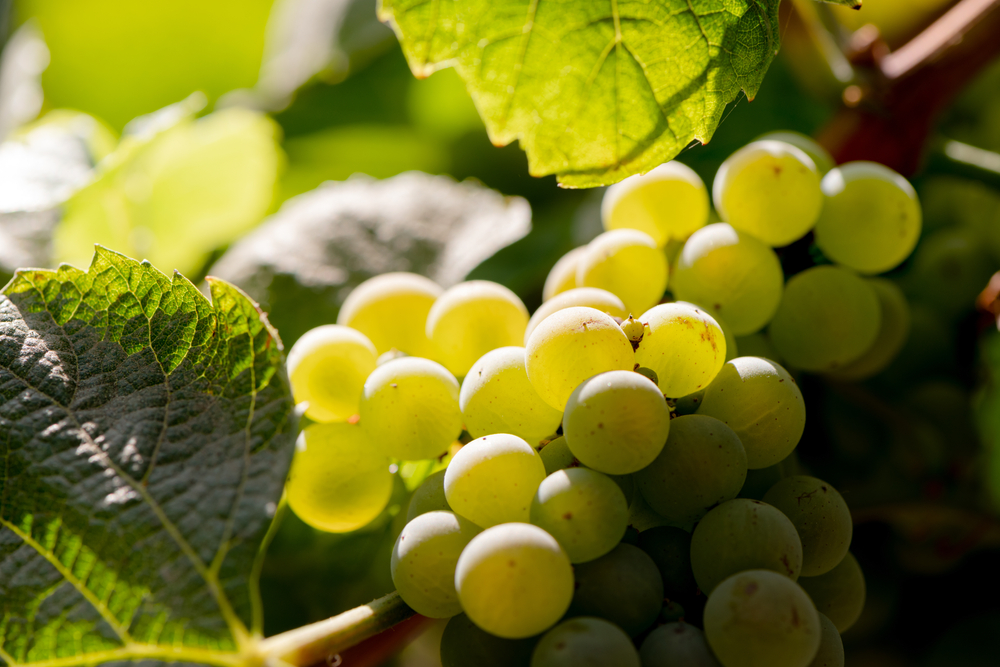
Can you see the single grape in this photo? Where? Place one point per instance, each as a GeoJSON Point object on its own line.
{"type": "Point", "coordinates": [950, 268]}
{"type": "Point", "coordinates": [634, 330]}
{"type": "Point", "coordinates": [702, 465]}
{"type": "Point", "coordinates": [670, 549]}
{"type": "Point", "coordinates": [820, 156]}
{"type": "Point", "coordinates": [770, 190]}
{"type": "Point", "coordinates": [556, 456]}
{"type": "Point", "coordinates": [616, 422]}
{"type": "Point", "coordinates": [570, 346]}
{"type": "Point", "coordinates": [391, 309]}
{"type": "Point", "coordinates": [562, 276]}
{"type": "Point", "coordinates": [585, 642]}
{"type": "Point", "coordinates": [894, 328]}
{"type": "Point", "coordinates": [828, 318]}
{"type": "Point", "coordinates": [671, 612]}
{"type": "Point", "coordinates": [730, 274]}
{"type": "Point", "coordinates": [496, 397]}
{"type": "Point", "coordinates": [821, 518]}
{"type": "Point", "coordinates": [732, 351]}
{"type": "Point", "coordinates": [627, 263]}
{"type": "Point", "coordinates": [465, 644]}
{"type": "Point", "coordinates": [669, 203]}
{"type": "Point", "coordinates": [589, 297]}
{"type": "Point", "coordinates": [831, 646]}
{"type": "Point", "coordinates": [683, 345]}
{"type": "Point", "coordinates": [688, 405]}
{"type": "Point", "coordinates": [410, 408]}
{"type": "Point", "coordinates": [327, 368]}
{"type": "Point", "coordinates": [743, 534]}
{"type": "Point", "coordinates": [839, 593]}
{"type": "Point", "coordinates": [760, 481]}
{"type": "Point", "coordinates": [392, 354]}
{"type": "Point", "coordinates": [623, 586]}
{"type": "Point", "coordinates": [871, 218]}
{"type": "Point", "coordinates": [423, 562]}
{"type": "Point", "coordinates": [584, 510]}
{"type": "Point", "coordinates": [757, 345]}
{"type": "Point", "coordinates": [514, 580]}
{"type": "Point", "coordinates": [472, 318]}
{"type": "Point", "coordinates": [759, 618]}
{"type": "Point", "coordinates": [626, 484]}
{"type": "Point", "coordinates": [339, 481]}
{"type": "Point", "coordinates": [428, 497]}
{"type": "Point", "coordinates": [760, 401]}
{"type": "Point", "coordinates": [641, 516]}
{"type": "Point", "coordinates": [677, 645]}
{"type": "Point", "coordinates": [492, 480]}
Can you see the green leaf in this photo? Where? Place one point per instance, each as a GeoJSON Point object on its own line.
{"type": "Point", "coordinates": [144, 441]}
{"type": "Point", "coordinates": [594, 91]}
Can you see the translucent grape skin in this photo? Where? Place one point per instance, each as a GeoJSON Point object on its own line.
{"type": "Point", "coordinates": [472, 318]}
{"type": "Point", "coordinates": [463, 644]}
{"type": "Point", "coordinates": [391, 309]}
{"type": "Point", "coordinates": [894, 328]}
{"type": "Point", "coordinates": [589, 297]}
{"type": "Point", "coordinates": [730, 274]}
{"type": "Point", "coordinates": [497, 397]}
{"type": "Point", "coordinates": [428, 497]}
{"type": "Point", "coordinates": [616, 422]}
{"type": "Point", "coordinates": [759, 618]}
{"type": "Point", "coordinates": [831, 646]}
{"type": "Point", "coordinates": [627, 263]}
{"type": "Point", "coordinates": [514, 580]}
{"type": "Point", "coordinates": [562, 276]}
{"type": "Point", "coordinates": [839, 593]}
{"type": "Point", "coordinates": [584, 510]}
{"type": "Point", "coordinates": [683, 345]}
{"type": "Point", "coordinates": [821, 518]}
{"type": "Point", "coordinates": [493, 479]}
{"type": "Point", "coordinates": [410, 408]}
{"type": "Point", "coordinates": [327, 368]}
{"type": "Point", "coordinates": [339, 480]}
{"type": "Point", "coordinates": [820, 156]}
{"type": "Point", "coordinates": [744, 534]}
{"type": "Point", "coordinates": [760, 401]}
{"type": "Point", "coordinates": [622, 586]}
{"type": "Point", "coordinates": [677, 645]}
{"type": "Point", "coordinates": [670, 549]}
{"type": "Point", "coordinates": [557, 456]}
{"type": "Point", "coordinates": [702, 465]}
{"type": "Point", "coordinates": [423, 562]}
{"type": "Point", "coordinates": [585, 642]}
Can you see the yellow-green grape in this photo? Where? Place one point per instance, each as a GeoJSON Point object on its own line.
{"type": "Point", "coordinates": [871, 219]}
{"type": "Point", "coordinates": [616, 422]}
{"type": "Point", "coordinates": [423, 562]}
{"type": "Point", "coordinates": [760, 401]}
{"type": "Point", "coordinates": [757, 345]}
{"type": "Point", "coordinates": [840, 593]}
{"type": "Point", "coordinates": [493, 479]}
{"type": "Point", "coordinates": [820, 517]}
{"type": "Point", "coordinates": [391, 309]}
{"type": "Point", "coordinates": [496, 397]}
{"type": "Point", "coordinates": [770, 190]}
{"type": "Point", "coordinates": [562, 277]}
{"type": "Point", "coordinates": [732, 275]}
{"type": "Point", "coordinates": [514, 580]}
{"type": "Point", "coordinates": [327, 368]}
{"type": "Point", "coordinates": [743, 534]}
{"type": "Point", "coordinates": [677, 645]}
{"type": "Point", "coordinates": [627, 263]}
{"type": "Point", "coordinates": [831, 646]}
{"type": "Point", "coordinates": [828, 318]}
{"type": "Point", "coordinates": [585, 642]}
{"type": "Point", "coordinates": [340, 480]}
{"type": "Point", "coordinates": [702, 465]}
{"type": "Point", "coordinates": [759, 618]}
{"type": "Point", "coordinates": [410, 409]}
{"type": "Point", "coordinates": [428, 497]}
{"type": "Point", "coordinates": [669, 203]}
{"type": "Point", "coordinates": [683, 345]}
{"type": "Point", "coordinates": [634, 330]}
{"type": "Point", "coordinates": [570, 346]}
{"type": "Point", "coordinates": [590, 297]}
{"type": "Point", "coordinates": [820, 156]}
{"type": "Point", "coordinates": [623, 586]}
{"type": "Point", "coordinates": [386, 357]}
{"type": "Point", "coordinates": [556, 456]}
{"type": "Point", "coordinates": [950, 269]}
{"type": "Point", "coordinates": [584, 510]}
{"type": "Point", "coordinates": [472, 318]}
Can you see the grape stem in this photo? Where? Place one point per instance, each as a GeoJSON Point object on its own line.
{"type": "Point", "coordinates": [954, 158]}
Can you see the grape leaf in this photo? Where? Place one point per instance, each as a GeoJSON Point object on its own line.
{"type": "Point", "coordinates": [144, 440]}
{"type": "Point", "coordinates": [594, 90]}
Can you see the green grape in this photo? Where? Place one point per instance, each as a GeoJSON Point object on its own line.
{"type": "Point", "coordinates": [327, 368]}
{"type": "Point", "coordinates": [670, 549]}
{"type": "Point", "coordinates": [683, 345]}
{"type": "Point", "coordinates": [616, 422]}
{"type": "Point", "coordinates": [465, 644]}
{"type": "Point", "coordinates": [770, 190]}
{"type": "Point", "coordinates": [893, 330]}
{"type": "Point", "coordinates": [570, 346]}
{"type": "Point", "coordinates": [730, 274]}
{"type": "Point", "coordinates": [626, 484]}
{"type": "Point", "coordinates": [871, 218]}
{"type": "Point", "coordinates": [828, 318]}
{"type": "Point", "coordinates": [732, 351]}
{"type": "Point", "coordinates": [585, 642]}
{"type": "Point", "coordinates": [589, 297]}
{"type": "Point", "coordinates": [627, 263]}
{"type": "Point", "coordinates": [428, 497]}
{"type": "Point", "coordinates": [423, 562]}
{"type": "Point", "coordinates": [820, 156]}
{"type": "Point", "coordinates": [339, 481]}
{"type": "Point", "coordinates": [410, 408]}
{"type": "Point", "coordinates": [760, 401]}
{"type": "Point", "coordinates": [492, 480]}
{"type": "Point", "coordinates": [757, 345]}
{"type": "Point", "coordinates": [688, 405]}
{"type": "Point", "coordinates": [669, 203]}
{"type": "Point", "coordinates": [702, 464]}
{"type": "Point", "coordinates": [472, 318]}
{"type": "Point", "coordinates": [831, 646]}
{"type": "Point", "coordinates": [496, 397]}
{"type": "Point", "coordinates": [758, 618]}
{"type": "Point", "coordinates": [671, 612]}
{"type": "Point", "coordinates": [634, 330]}
{"type": "Point", "coordinates": [556, 456]}
{"type": "Point", "coordinates": [391, 309]}
{"type": "Point", "coordinates": [821, 518]}
{"type": "Point", "coordinates": [514, 580]}
{"type": "Point", "coordinates": [677, 645]}
{"type": "Point", "coordinates": [622, 586]}
{"type": "Point", "coordinates": [562, 277]}
{"type": "Point", "coordinates": [642, 517]}
{"type": "Point", "coordinates": [743, 534]}
{"type": "Point", "coordinates": [760, 481]}
{"type": "Point", "coordinates": [584, 510]}
{"type": "Point", "coordinates": [950, 268]}
{"type": "Point", "coordinates": [839, 593]}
